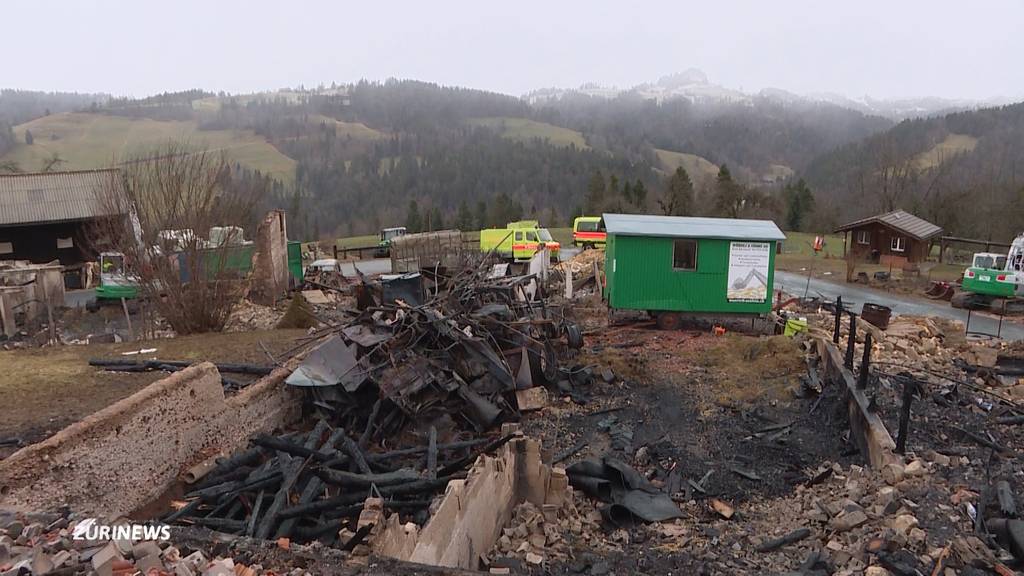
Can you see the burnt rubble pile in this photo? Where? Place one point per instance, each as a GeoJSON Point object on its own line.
{"type": "Point", "coordinates": [405, 397]}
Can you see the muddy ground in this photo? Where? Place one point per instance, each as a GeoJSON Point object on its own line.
{"type": "Point", "coordinates": [46, 389]}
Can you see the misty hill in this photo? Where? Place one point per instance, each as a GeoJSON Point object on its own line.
{"type": "Point", "coordinates": [694, 86]}
{"type": "Point", "coordinates": [349, 159]}
{"type": "Point", "coordinates": [962, 171]}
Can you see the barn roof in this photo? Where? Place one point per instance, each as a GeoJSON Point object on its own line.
{"type": "Point", "coordinates": [900, 220]}
{"type": "Point", "coordinates": [52, 196]}
{"type": "Point", "coordinates": [688, 227]}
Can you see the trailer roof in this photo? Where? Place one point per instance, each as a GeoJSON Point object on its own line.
{"type": "Point", "coordinates": [689, 227]}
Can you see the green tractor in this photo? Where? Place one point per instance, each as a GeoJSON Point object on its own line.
{"type": "Point", "coordinates": [386, 236]}
{"type": "Point", "coordinates": [994, 281]}
{"type": "Point", "coordinates": [115, 283]}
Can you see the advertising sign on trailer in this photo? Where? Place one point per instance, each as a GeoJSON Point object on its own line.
{"type": "Point", "coordinates": [748, 271]}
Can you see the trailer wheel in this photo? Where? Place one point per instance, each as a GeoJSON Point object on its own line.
{"type": "Point", "coordinates": [669, 320]}
{"type": "Point", "coordinates": [573, 336]}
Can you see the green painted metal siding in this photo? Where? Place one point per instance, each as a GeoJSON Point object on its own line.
{"type": "Point", "coordinates": [640, 276]}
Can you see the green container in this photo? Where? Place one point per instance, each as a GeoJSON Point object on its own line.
{"type": "Point", "coordinates": [682, 264]}
{"type": "Point", "coordinates": [641, 277]}
{"type": "Point", "coordinates": [295, 260]}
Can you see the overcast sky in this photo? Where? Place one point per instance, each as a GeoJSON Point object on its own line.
{"type": "Point", "coordinates": [882, 48]}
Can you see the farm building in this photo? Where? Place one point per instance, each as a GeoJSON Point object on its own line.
{"type": "Point", "coordinates": [700, 265]}
{"type": "Point", "coordinates": [47, 216]}
{"type": "Point", "coordinates": [895, 238]}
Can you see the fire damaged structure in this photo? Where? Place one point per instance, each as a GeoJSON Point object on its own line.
{"type": "Point", "coordinates": [46, 216]}
{"type": "Point", "coordinates": [895, 238]}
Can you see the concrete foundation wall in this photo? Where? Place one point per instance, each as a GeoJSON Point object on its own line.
{"type": "Point", "coordinates": [867, 430]}
{"type": "Point", "coordinates": [472, 513]}
{"type": "Point", "coordinates": [130, 453]}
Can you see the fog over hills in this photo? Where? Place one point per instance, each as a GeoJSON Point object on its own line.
{"type": "Point", "coordinates": [695, 86]}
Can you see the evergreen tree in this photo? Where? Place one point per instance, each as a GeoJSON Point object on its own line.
{"type": "Point", "coordinates": [464, 219]}
{"type": "Point", "coordinates": [436, 219]}
{"type": "Point", "coordinates": [482, 220]}
{"type": "Point", "coordinates": [799, 204]}
{"type": "Point", "coordinates": [594, 202]}
{"type": "Point", "coordinates": [729, 195]}
{"type": "Point", "coordinates": [28, 137]}
{"type": "Point", "coordinates": [677, 199]}
{"type": "Point", "coordinates": [552, 218]}
{"type": "Point", "coordinates": [640, 195]}
{"type": "Point", "coordinates": [627, 193]}
{"type": "Point", "coordinates": [413, 220]}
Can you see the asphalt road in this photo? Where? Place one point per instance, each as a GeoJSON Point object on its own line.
{"type": "Point", "coordinates": [855, 296]}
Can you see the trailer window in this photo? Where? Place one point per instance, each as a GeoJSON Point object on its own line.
{"type": "Point", "coordinates": [684, 255]}
{"type": "Point", "coordinates": [899, 244]}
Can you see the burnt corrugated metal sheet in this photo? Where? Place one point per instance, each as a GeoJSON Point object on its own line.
{"type": "Point", "coordinates": [689, 227]}
{"type": "Point", "coordinates": [53, 196]}
{"type": "Point", "coordinates": [901, 221]}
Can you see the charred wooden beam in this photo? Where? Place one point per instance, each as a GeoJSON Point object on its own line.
{"type": "Point", "coordinates": [288, 447]}
{"type": "Point", "coordinates": [364, 439]}
{"type": "Point", "coordinates": [463, 462]}
{"type": "Point", "coordinates": [1004, 495]}
{"type": "Point", "coordinates": [432, 453]}
{"type": "Point", "coordinates": [341, 478]}
{"type": "Point", "coordinates": [356, 454]}
{"type": "Point", "coordinates": [791, 538]}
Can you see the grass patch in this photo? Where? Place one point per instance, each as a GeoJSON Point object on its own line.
{"type": "Point", "coordinates": [87, 141]}
{"type": "Point", "coordinates": [755, 369]}
{"type": "Point", "coordinates": [45, 389]}
{"type": "Point", "coordinates": [952, 145]}
{"type": "Point", "coordinates": [525, 130]}
{"type": "Point", "coordinates": [699, 168]}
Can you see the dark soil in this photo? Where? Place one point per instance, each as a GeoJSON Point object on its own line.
{"type": "Point", "coordinates": [701, 404]}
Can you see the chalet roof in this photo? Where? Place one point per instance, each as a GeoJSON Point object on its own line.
{"type": "Point", "coordinates": [688, 227]}
{"type": "Point", "coordinates": [901, 221]}
{"type": "Point", "coordinates": [52, 196]}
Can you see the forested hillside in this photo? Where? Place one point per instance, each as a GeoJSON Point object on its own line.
{"type": "Point", "coordinates": [964, 171]}
{"type": "Point", "coordinates": [351, 159]}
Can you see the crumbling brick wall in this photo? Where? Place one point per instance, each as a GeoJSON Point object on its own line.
{"type": "Point", "coordinates": [270, 261]}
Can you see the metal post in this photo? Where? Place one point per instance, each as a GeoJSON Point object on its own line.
{"type": "Point", "coordinates": [839, 318]}
{"type": "Point", "coordinates": [865, 363]}
{"type": "Point", "coordinates": [909, 388]}
{"type": "Point", "coordinates": [848, 361]}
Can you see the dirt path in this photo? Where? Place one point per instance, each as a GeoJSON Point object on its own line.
{"type": "Point", "coordinates": [45, 389]}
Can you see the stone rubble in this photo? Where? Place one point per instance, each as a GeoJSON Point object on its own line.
{"type": "Point", "coordinates": [43, 543]}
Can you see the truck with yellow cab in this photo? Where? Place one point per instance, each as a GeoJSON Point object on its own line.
{"type": "Point", "coordinates": [588, 232]}
{"type": "Point", "coordinates": [519, 241]}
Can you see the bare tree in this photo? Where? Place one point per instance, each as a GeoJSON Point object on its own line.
{"type": "Point", "coordinates": [52, 163]}
{"type": "Point", "coordinates": [170, 201]}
